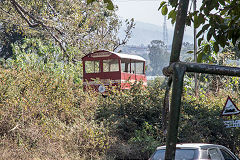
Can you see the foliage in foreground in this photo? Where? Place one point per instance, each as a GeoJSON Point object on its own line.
{"type": "Point", "coordinates": [131, 115]}
{"type": "Point", "coordinates": [134, 117]}
{"type": "Point", "coordinates": [42, 117]}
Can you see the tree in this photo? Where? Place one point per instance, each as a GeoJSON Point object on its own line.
{"type": "Point", "coordinates": [76, 27]}
{"type": "Point", "coordinates": [219, 19]}
{"type": "Point", "coordinates": [185, 50]}
{"type": "Point", "coordinates": [158, 56]}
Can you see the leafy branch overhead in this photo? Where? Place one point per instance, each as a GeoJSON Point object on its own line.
{"type": "Point", "coordinates": [77, 27]}
{"type": "Point", "coordinates": [33, 22]}
{"type": "Point", "coordinates": [217, 20]}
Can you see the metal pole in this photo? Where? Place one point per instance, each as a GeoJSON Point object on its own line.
{"type": "Point", "coordinates": [178, 75]}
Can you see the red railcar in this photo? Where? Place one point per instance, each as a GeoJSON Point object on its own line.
{"type": "Point", "coordinates": [103, 68]}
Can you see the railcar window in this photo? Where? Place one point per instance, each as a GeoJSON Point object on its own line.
{"type": "Point", "coordinates": [110, 65]}
{"type": "Point", "coordinates": [125, 65]}
{"type": "Point", "coordinates": [92, 66]}
{"type": "Point", "coordinates": [139, 67]}
{"type": "Point", "coordinates": [133, 67]}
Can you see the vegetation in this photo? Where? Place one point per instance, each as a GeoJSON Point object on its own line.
{"type": "Point", "coordinates": [44, 112]}
{"type": "Point", "coordinates": [219, 21]}
{"type": "Point", "coordinates": [159, 56]}
{"type": "Point", "coordinates": [69, 25]}
{"type": "Point", "coordinates": [47, 117]}
{"type": "Point", "coordinates": [157, 53]}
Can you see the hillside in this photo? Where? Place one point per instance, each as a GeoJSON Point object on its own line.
{"type": "Point", "coordinates": [144, 33]}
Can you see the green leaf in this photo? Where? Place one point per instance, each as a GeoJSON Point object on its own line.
{"type": "Point", "coordinates": [188, 21]}
{"type": "Point", "coordinates": [199, 57]}
{"type": "Point", "coordinates": [223, 12]}
{"type": "Point", "coordinates": [200, 41]}
{"type": "Point", "coordinates": [164, 10]}
{"type": "Point", "coordinates": [205, 27]}
{"type": "Point", "coordinates": [223, 26]}
{"type": "Point", "coordinates": [110, 5]}
{"type": "Point", "coordinates": [210, 33]}
{"type": "Point", "coordinates": [173, 3]}
{"type": "Point", "coordinates": [201, 19]}
{"type": "Point", "coordinates": [90, 1]}
{"type": "Point", "coordinates": [222, 40]}
{"type": "Point", "coordinates": [206, 48]}
{"type": "Point", "coordinates": [199, 33]}
{"type": "Point", "coordinates": [215, 47]}
{"type": "Point", "coordinates": [218, 19]}
{"type": "Point", "coordinates": [190, 52]}
{"type": "Point", "coordinates": [162, 3]}
{"type": "Point", "coordinates": [196, 21]}
{"type": "Point", "coordinates": [172, 14]}
{"type": "Point", "coordinates": [206, 11]}
{"type": "Point", "coordinates": [230, 33]}
{"type": "Point", "coordinates": [216, 6]}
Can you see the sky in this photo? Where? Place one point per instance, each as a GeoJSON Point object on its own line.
{"type": "Point", "coordinates": [141, 10]}
{"type": "Point", "coordinates": [145, 11]}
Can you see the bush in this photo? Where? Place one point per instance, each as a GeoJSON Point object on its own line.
{"type": "Point", "coordinates": [131, 115]}
{"type": "Point", "coordinates": [43, 117]}
{"type": "Point", "coordinates": [201, 122]}
{"type": "Point", "coordinates": [134, 117]}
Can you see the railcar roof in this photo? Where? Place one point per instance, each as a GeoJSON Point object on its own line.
{"type": "Point", "coordinates": [122, 55]}
{"type": "Point", "coordinates": [129, 56]}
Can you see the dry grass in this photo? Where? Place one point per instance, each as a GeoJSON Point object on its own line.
{"type": "Point", "coordinates": [42, 117]}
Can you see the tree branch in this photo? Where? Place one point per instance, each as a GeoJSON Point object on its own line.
{"type": "Point", "coordinates": [37, 23]}
{"type": "Point", "coordinates": [22, 13]}
{"type": "Point", "coordinates": [128, 32]}
{"type": "Point", "coordinates": [8, 12]}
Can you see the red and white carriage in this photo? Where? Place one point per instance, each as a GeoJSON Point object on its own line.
{"type": "Point", "coordinates": [103, 68]}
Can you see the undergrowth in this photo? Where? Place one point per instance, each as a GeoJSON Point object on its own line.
{"type": "Point", "coordinates": [44, 117]}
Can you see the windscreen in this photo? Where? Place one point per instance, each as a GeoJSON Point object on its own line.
{"type": "Point", "coordinates": [181, 154]}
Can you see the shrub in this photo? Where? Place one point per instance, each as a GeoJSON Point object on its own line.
{"type": "Point", "coordinates": [201, 122]}
{"type": "Point", "coordinates": [131, 115]}
{"type": "Point", "coordinates": [44, 117]}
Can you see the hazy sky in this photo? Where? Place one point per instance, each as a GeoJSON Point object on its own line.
{"type": "Point", "coordinates": [140, 10]}
{"type": "Point", "coordinates": [144, 10]}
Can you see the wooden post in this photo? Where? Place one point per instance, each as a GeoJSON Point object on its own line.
{"type": "Point", "coordinates": [178, 75]}
{"type": "Point", "coordinates": [178, 70]}
{"type": "Point", "coordinates": [195, 50]}
{"type": "Point", "coordinates": [179, 31]}
{"type": "Point", "coordinates": [177, 80]}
